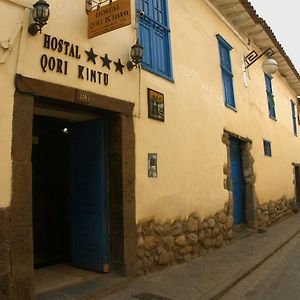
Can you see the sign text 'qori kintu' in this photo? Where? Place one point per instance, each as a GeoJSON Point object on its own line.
{"type": "Point", "coordinates": [109, 17]}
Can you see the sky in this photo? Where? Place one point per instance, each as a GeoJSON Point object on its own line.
{"type": "Point", "coordinates": [283, 18]}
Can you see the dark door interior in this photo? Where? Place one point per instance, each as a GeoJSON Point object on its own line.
{"type": "Point", "coordinates": [69, 173]}
{"type": "Point", "coordinates": [50, 191]}
{"type": "Point", "coordinates": [297, 182]}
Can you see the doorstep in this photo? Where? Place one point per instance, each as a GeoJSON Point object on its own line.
{"type": "Point", "coordinates": [63, 282]}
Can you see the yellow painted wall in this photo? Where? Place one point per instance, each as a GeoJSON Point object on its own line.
{"type": "Point", "coordinates": [191, 154]}
{"type": "Point", "coordinates": [73, 28]}
{"type": "Point", "coordinates": [13, 15]}
{"type": "Point", "coordinates": [190, 151]}
{"type": "Point", "coordinates": [68, 21]}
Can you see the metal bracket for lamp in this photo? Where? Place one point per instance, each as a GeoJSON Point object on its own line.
{"type": "Point", "coordinates": [269, 66]}
{"type": "Point", "coordinates": [253, 56]}
{"type": "Point", "coordinates": [130, 65]}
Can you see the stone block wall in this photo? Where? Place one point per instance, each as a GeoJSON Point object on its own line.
{"type": "Point", "coordinates": [160, 245]}
{"type": "Point", "coordinates": [275, 211]}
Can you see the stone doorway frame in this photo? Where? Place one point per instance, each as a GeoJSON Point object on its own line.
{"type": "Point", "coordinates": [17, 272]}
{"type": "Point", "coordinates": [251, 205]}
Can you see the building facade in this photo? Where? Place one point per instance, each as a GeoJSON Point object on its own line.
{"type": "Point", "coordinates": [133, 170]}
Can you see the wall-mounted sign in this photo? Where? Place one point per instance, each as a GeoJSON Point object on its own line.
{"type": "Point", "coordinates": [60, 57]}
{"type": "Point", "coordinates": [109, 17]}
{"type": "Point", "coordinates": [156, 105]}
{"type": "Point", "coordinates": [152, 165]}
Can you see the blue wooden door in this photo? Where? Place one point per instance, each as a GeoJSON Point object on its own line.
{"type": "Point", "coordinates": [237, 181]}
{"type": "Point", "coordinates": [88, 201]}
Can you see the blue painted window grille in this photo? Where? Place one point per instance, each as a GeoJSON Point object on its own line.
{"type": "Point", "coordinates": [267, 148]}
{"type": "Point", "coordinates": [227, 75]}
{"type": "Point", "coordinates": [154, 35]}
{"type": "Point", "coordinates": [270, 96]}
{"type": "Point", "coordinates": [293, 106]}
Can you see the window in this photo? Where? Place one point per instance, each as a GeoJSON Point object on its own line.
{"type": "Point", "coordinates": [293, 105]}
{"type": "Point", "coordinates": [270, 96]}
{"type": "Point", "coordinates": [267, 148]}
{"type": "Point", "coordinates": [227, 76]}
{"type": "Point", "coordinates": [154, 35]}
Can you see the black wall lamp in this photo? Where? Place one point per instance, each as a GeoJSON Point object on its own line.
{"type": "Point", "coordinates": [136, 54]}
{"type": "Point", "coordinates": [40, 14]}
{"type": "Point", "coordinates": [269, 66]}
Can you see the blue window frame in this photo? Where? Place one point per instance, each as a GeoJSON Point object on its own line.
{"type": "Point", "coordinates": [227, 75]}
{"type": "Point", "coordinates": [267, 148]}
{"type": "Point", "coordinates": [294, 118]}
{"type": "Point", "coordinates": [270, 96]}
{"type": "Point", "coordinates": [154, 35]}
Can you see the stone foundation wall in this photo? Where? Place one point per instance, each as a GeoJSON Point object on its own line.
{"type": "Point", "coordinates": [160, 245]}
{"type": "Point", "coordinates": [275, 211]}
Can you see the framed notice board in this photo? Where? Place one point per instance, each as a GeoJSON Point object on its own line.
{"type": "Point", "coordinates": [156, 105]}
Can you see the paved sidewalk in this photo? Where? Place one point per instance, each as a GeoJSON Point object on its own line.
{"type": "Point", "coordinates": [276, 279]}
{"type": "Point", "coordinates": [209, 277]}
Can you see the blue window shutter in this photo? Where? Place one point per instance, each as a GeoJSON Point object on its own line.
{"type": "Point", "coordinates": [225, 58]}
{"type": "Point", "coordinates": [227, 76]}
{"type": "Point", "coordinates": [154, 34]}
{"type": "Point", "coordinates": [267, 148]}
{"type": "Point", "coordinates": [139, 5]}
{"type": "Point", "coordinates": [162, 50]}
{"type": "Point", "coordinates": [268, 81]}
{"type": "Point", "coordinates": [145, 6]}
{"type": "Point", "coordinates": [145, 39]}
{"type": "Point", "coordinates": [159, 11]}
{"type": "Point", "coordinates": [228, 88]}
{"type": "Point", "coordinates": [294, 119]}
{"type": "Point", "coordinates": [270, 96]}
{"type": "Point", "coordinates": [271, 106]}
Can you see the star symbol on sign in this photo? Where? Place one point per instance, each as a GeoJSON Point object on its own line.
{"type": "Point", "coordinates": [91, 55]}
{"type": "Point", "coordinates": [119, 66]}
{"type": "Point", "coordinates": [106, 61]}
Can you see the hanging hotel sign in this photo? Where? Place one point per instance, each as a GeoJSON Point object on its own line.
{"type": "Point", "coordinates": [109, 17]}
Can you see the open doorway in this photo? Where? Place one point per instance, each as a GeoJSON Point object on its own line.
{"type": "Point", "coordinates": [50, 188]}
{"type": "Point", "coordinates": [70, 197]}
{"type": "Point", "coordinates": [40, 98]}
{"type": "Point", "coordinates": [297, 185]}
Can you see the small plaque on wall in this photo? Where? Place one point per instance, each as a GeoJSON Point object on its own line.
{"type": "Point", "coordinates": [152, 165]}
{"type": "Point", "coordinates": [156, 105]}
{"type": "Point", "coordinates": [82, 97]}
